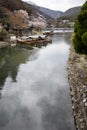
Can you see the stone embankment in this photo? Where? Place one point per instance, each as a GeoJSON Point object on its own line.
{"type": "Point", "coordinates": [77, 74]}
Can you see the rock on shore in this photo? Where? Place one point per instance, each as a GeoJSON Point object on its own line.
{"type": "Point", "coordinates": [77, 75]}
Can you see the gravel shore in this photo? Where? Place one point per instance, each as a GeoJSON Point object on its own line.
{"type": "Point", "coordinates": [77, 75]}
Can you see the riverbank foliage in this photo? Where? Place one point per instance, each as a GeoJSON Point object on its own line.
{"type": "Point", "coordinates": [80, 38]}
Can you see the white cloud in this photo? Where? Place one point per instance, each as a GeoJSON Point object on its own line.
{"type": "Point", "coordinates": [61, 5]}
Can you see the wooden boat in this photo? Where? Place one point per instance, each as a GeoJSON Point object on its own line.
{"type": "Point", "coordinates": [35, 40]}
{"type": "Point", "coordinates": [48, 33]}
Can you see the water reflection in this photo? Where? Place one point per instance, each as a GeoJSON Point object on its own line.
{"type": "Point", "coordinates": [39, 99]}
{"type": "Point", "coordinates": [10, 60]}
{"type": "Point", "coordinates": [65, 37]}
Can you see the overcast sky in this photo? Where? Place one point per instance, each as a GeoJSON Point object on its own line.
{"type": "Point", "coordinates": [61, 5]}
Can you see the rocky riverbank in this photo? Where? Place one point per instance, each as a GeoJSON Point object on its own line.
{"type": "Point", "coordinates": [77, 74]}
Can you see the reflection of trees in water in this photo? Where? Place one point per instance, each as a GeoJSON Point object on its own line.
{"type": "Point", "coordinates": [62, 37]}
{"type": "Point", "coordinates": [67, 37]}
{"type": "Point", "coordinates": [10, 60]}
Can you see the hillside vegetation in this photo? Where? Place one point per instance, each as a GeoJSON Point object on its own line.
{"type": "Point", "coordinates": [7, 8]}
{"type": "Point", "coordinates": [18, 14]}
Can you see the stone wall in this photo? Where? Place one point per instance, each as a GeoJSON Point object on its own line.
{"type": "Point", "coordinates": [77, 75]}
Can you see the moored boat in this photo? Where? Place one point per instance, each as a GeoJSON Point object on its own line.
{"type": "Point", "coordinates": [35, 40]}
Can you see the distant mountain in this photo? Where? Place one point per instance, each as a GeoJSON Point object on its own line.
{"type": "Point", "coordinates": [35, 9]}
{"type": "Point", "coordinates": [31, 3]}
{"type": "Point", "coordinates": [72, 12]}
{"type": "Point", "coordinates": [51, 13]}
{"type": "Point", "coordinates": [45, 11]}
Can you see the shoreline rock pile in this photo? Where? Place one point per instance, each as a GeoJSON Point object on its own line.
{"type": "Point", "coordinates": [77, 75]}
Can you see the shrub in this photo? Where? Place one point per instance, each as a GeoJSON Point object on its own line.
{"type": "Point", "coordinates": [80, 29]}
{"type": "Point", "coordinates": [84, 38]}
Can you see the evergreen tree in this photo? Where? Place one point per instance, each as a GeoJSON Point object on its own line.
{"type": "Point", "coordinates": [80, 38]}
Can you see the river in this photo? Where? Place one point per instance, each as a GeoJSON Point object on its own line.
{"type": "Point", "coordinates": [35, 94]}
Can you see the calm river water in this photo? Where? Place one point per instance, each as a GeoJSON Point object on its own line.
{"type": "Point", "coordinates": [34, 87]}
